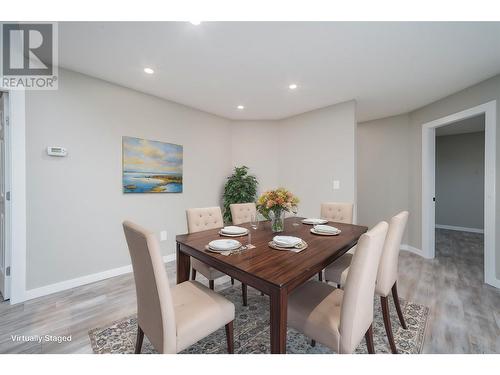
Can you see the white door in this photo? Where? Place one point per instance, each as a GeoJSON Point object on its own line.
{"type": "Point", "coordinates": [4, 253]}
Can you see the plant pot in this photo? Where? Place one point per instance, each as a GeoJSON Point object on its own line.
{"type": "Point", "coordinates": [277, 220]}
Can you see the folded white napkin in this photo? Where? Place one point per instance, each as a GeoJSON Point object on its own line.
{"type": "Point", "coordinates": [325, 229]}
{"type": "Point", "coordinates": [233, 230]}
{"type": "Point", "coordinates": [286, 241]}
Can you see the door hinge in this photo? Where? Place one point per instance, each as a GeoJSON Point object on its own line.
{"type": "Point", "coordinates": [7, 120]}
{"type": "Point", "coordinates": [7, 196]}
{"type": "Point", "coordinates": [7, 271]}
{"type": "Point", "coordinates": [434, 199]}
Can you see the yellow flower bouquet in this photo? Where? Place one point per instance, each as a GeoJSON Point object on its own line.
{"type": "Point", "coordinates": [274, 203]}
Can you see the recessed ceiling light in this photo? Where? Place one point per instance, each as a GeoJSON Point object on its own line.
{"type": "Point", "coordinates": [196, 23]}
{"type": "Point", "coordinates": [293, 86]}
{"type": "Point", "coordinates": [241, 107]}
{"type": "Point", "coordinates": [148, 70]}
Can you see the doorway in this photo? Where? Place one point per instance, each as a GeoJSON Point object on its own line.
{"type": "Point", "coordinates": [488, 110]}
{"type": "Point", "coordinates": [4, 199]}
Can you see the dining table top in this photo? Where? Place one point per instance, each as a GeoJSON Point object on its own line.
{"type": "Point", "coordinates": [277, 267]}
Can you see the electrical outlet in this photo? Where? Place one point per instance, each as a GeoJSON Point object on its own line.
{"type": "Point", "coordinates": [163, 235]}
{"type": "Point", "coordinates": [336, 184]}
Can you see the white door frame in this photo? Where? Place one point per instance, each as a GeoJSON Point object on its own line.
{"type": "Point", "coordinates": [6, 202]}
{"type": "Point", "coordinates": [17, 132]}
{"type": "Point", "coordinates": [429, 183]}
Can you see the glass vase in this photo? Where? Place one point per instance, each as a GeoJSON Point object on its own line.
{"type": "Point", "coordinates": [277, 220]}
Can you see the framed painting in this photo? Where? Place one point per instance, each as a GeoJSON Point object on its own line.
{"type": "Point", "coordinates": [151, 166]}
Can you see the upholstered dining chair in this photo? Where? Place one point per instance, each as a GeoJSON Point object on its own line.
{"type": "Point", "coordinates": [171, 318]}
{"type": "Point", "coordinates": [387, 275]}
{"type": "Point", "coordinates": [199, 219]}
{"type": "Point", "coordinates": [242, 212]}
{"type": "Point", "coordinates": [340, 318]}
{"type": "Point", "coordinates": [339, 212]}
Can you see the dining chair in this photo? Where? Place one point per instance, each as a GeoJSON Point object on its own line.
{"type": "Point", "coordinates": [171, 318]}
{"type": "Point", "coordinates": [199, 219]}
{"type": "Point", "coordinates": [340, 318]}
{"type": "Point", "coordinates": [339, 212]}
{"type": "Point", "coordinates": [387, 275]}
{"type": "Point", "coordinates": [242, 212]}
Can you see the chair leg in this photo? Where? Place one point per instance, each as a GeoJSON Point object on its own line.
{"type": "Point", "coordinates": [384, 301]}
{"type": "Point", "coordinates": [244, 293]}
{"type": "Point", "coordinates": [369, 340]}
{"type": "Point", "coordinates": [313, 343]}
{"type": "Point", "coordinates": [320, 275]}
{"type": "Point", "coordinates": [140, 338]}
{"type": "Point", "coordinates": [398, 306]}
{"type": "Point", "coordinates": [229, 337]}
{"type": "Point", "coordinates": [193, 274]}
{"type": "Point", "coordinates": [232, 280]}
{"type": "Point", "coordinates": [211, 284]}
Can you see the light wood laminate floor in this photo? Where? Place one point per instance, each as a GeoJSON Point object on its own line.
{"type": "Point", "coordinates": [464, 313]}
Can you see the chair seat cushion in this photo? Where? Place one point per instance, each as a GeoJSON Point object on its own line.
{"type": "Point", "coordinates": [314, 309]}
{"type": "Point", "coordinates": [207, 271]}
{"type": "Point", "coordinates": [338, 270]}
{"type": "Point", "coordinates": [199, 312]}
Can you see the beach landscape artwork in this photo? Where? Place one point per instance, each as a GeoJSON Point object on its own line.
{"type": "Point", "coordinates": [151, 166]}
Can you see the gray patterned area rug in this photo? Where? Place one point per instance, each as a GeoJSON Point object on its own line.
{"type": "Point", "coordinates": [251, 331]}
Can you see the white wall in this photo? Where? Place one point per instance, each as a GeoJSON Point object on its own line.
{"type": "Point", "coordinates": [75, 205]}
{"type": "Point", "coordinates": [383, 160]}
{"type": "Point", "coordinates": [460, 180]}
{"type": "Point", "coordinates": [314, 149]}
{"type": "Point", "coordinates": [254, 144]}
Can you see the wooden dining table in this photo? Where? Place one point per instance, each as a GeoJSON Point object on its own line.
{"type": "Point", "coordinates": [274, 272]}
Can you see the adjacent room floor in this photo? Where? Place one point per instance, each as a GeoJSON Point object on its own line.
{"type": "Point", "coordinates": [464, 313]}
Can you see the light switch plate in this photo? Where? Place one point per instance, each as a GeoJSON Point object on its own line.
{"type": "Point", "coordinates": [163, 235]}
{"type": "Point", "coordinates": [336, 184]}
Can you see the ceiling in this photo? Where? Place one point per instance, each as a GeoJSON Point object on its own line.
{"type": "Point", "coordinates": [470, 125]}
{"type": "Point", "coordinates": [387, 67]}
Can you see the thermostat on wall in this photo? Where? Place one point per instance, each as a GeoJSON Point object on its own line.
{"type": "Point", "coordinates": [56, 151]}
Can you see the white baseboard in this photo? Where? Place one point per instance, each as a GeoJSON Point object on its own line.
{"type": "Point", "coordinates": [460, 229]}
{"type": "Point", "coordinates": [83, 280]}
{"type": "Point", "coordinates": [493, 282]}
{"type": "Point", "coordinates": [411, 249]}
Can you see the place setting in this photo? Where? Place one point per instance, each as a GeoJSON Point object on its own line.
{"type": "Point", "coordinates": [233, 231]}
{"type": "Point", "coordinates": [288, 243]}
{"type": "Point", "coordinates": [226, 246]}
{"type": "Point", "coordinates": [314, 221]}
{"type": "Point", "coordinates": [325, 230]}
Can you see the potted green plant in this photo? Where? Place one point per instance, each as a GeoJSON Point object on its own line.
{"type": "Point", "coordinates": [240, 188]}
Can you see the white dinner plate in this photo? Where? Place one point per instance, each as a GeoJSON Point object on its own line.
{"type": "Point", "coordinates": [326, 233]}
{"type": "Point", "coordinates": [286, 241]}
{"type": "Point", "coordinates": [224, 245]}
{"type": "Point", "coordinates": [313, 221]}
{"type": "Point", "coordinates": [234, 230]}
{"type": "Point", "coordinates": [233, 235]}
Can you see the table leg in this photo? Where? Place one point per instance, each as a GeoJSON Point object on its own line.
{"type": "Point", "coordinates": [279, 306]}
{"type": "Point", "coordinates": [183, 265]}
